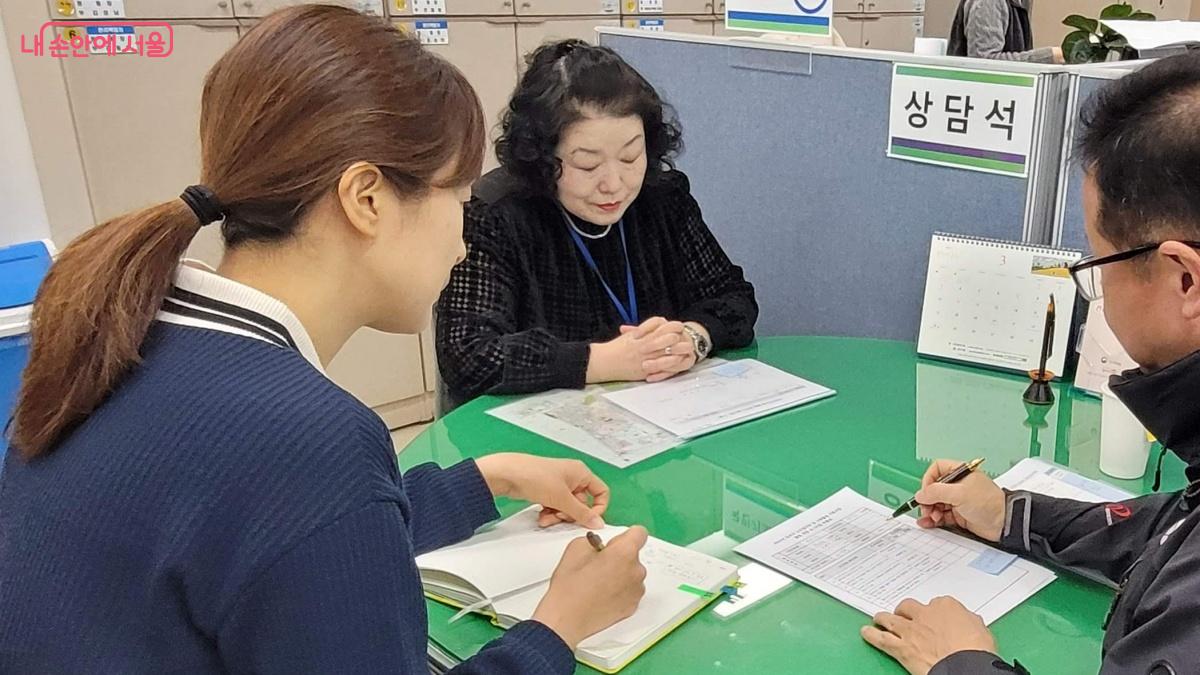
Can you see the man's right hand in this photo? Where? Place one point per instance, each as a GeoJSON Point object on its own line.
{"type": "Point", "coordinates": [975, 503]}
{"type": "Point", "coordinates": [592, 590]}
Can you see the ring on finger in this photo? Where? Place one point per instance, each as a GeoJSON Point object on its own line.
{"type": "Point", "coordinates": [668, 350]}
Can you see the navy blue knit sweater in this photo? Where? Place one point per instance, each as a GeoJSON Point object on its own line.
{"type": "Point", "coordinates": [229, 509]}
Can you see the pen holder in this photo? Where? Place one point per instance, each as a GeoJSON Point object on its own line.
{"type": "Point", "coordinates": [1039, 391]}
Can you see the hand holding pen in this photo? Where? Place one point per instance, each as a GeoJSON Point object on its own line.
{"type": "Point", "coordinates": [973, 503]}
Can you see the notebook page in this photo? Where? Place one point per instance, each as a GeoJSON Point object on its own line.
{"type": "Point", "coordinates": [850, 548]}
{"type": "Point", "coordinates": [667, 568]}
{"type": "Point", "coordinates": [513, 554]}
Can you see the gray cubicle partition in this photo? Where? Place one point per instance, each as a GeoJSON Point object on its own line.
{"type": "Point", "coordinates": [784, 146]}
{"type": "Point", "coordinates": [1085, 83]}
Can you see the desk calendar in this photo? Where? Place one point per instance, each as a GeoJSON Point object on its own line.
{"type": "Point", "coordinates": [985, 302]}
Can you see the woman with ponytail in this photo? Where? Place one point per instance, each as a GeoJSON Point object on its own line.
{"type": "Point", "coordinates": [186, 491]}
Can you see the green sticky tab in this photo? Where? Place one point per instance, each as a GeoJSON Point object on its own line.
{"type": "Point", "coordinates": [695, 591]}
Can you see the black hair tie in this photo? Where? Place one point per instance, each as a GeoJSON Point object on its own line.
{"type": "Point", "coordinates": [203, 202]}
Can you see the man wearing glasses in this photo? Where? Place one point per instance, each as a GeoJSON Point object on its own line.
{"type": "Point", "coordinates": [1141, 151]}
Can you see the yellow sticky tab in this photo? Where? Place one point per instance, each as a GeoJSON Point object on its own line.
{"type": "Point", "coordinates": [66, 7]}
{"type": "Point", "coordinates": [401, 5]}
{"type": "Point", "coordinates": [631, 5]}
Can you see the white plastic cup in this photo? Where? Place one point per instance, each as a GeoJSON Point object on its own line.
{"type": "Point", "coordinates": [927, 46]}
{"type": "Point", "coordinates": [1124, 446]}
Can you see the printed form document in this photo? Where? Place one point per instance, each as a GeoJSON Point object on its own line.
{"type": "Point", "coordinates": [718, 397]}
{"type": "Point", "coordinates": [850, 548]}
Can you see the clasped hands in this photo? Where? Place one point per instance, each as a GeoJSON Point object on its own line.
{"type": "Point", "coordinates": [653, 351]}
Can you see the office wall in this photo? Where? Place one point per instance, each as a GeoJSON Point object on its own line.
{"type": "Point", "coordinates": [23, 216]}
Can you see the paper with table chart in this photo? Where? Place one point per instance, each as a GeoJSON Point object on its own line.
{"type": "Point", "coordinates": [715, 398]}
{"type": "Point", "coordinates": [1035, 475]}
{"type": "Point", "coordinates": [850, 548]}
{"type": "Point", "coordinates": [985, 302]}
{"type": "Point", "coordinates": [588, 422]}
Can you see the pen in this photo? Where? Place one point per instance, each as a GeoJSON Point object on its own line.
{"type": "Point", "coordinates": [594, 540]}
{"type": "Point", "coordinates": [1047, 340]}
{"type": "Point", "coordinates": [954, 476]}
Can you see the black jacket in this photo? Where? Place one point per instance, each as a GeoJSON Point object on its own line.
{"type": "Point", "coordinates": [520, 312]}
{"type": "Point", "coordinates": [1147, 548]}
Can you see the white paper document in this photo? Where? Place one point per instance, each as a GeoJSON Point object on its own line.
{"type": "Point", "coordinates": [850, 548]}
{"type": "Point", "coordinates": [586, 421]}
{"type": "Point", "coordinates": [711, 399]}
{"type": "Point", "coordinates": [1151, 34]}
{"type": "Point", "coordinates": [1035, 475]}
{"type": "Point", "coordinates": [1100, 353]}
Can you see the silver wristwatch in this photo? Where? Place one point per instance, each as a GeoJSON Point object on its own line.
{"type": "Point", "coordinates": [701, 343]}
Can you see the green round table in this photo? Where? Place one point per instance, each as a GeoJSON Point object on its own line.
{"type": "Point", "coordinates": [892, 414]}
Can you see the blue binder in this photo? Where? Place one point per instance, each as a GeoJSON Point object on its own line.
{"type": "Point", "coordinates": [22, 268]}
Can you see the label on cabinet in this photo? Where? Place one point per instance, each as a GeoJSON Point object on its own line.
{"type": "Point", "coordinates": [918, 5]}
{"type": "Point", "coordinates": [649, 6]}
{"type": "Point", "coordinates": [433, 32]}
{"type": "Point", "coordinates": [427, 6]}
{"type": "Point", "coordinates": [114, 39]}
{"type": "Point", "coordinates": [610, 6]}
{"type": "Point", "coordinates": [919, 26]}
{"type": "Point", "coordinates": [100, 9]}
{"type": "Point", "coordinates": [652, 25]}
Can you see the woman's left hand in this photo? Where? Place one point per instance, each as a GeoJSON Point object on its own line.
{"type": "Point", "coordinates": [676, 358]}
{"type": "Point", "coordinates": [567, 489]}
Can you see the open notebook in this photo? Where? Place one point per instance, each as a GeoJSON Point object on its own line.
{"type": "Point", "coordinates": [503, 572]}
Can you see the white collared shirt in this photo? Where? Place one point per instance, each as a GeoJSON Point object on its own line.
{"type": "Point", "coordinates": [201, 298]}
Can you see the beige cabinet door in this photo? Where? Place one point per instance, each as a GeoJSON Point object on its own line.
{"type": "Point", "coordinates": [567, 7]}
{"type": "Point", "coordinates": [668, 6]}
{"type": "Point", "coordinates": [531, 34]}
{"type": "Point", "coordinates": [142, 9]}
{"type": "Point", "coordinates": [485, 50]}
{"type": "Point", "coordinates": [137, 118]}
{"type": "Point", "coordinates": [384, 371]}
{"type": "Point", "coordinates": [939, 17]}
{"type": "Point", "coordinates": [850, 28]}
{"type": "Point", "coordinates": [896, 33]}
{"type": "Point", "coordinates": [892, 6]}
{"type": "Point", "coordinates": [402, 8]}
{"type": "Point", "coordinates": [253, 8]}
{"type": "Point", "coordinates": [698, 25]}
{"type": "Point", "coordinates": [1195, 10]}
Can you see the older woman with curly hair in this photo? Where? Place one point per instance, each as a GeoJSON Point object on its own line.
{"type": "Point", "coordinates": [587, 258]}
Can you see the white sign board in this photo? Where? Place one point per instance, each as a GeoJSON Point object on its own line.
{"type": "Point", "coordinates": [978, 120]}
{"type": "Point", "coordinates": [805, 17]}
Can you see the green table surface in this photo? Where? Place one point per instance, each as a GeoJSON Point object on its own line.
{"type": "Point", "coordinates": [893, 412]}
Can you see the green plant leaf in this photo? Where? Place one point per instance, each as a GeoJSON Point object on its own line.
{"type": "Point", "coordinates": [1141, 16]}
{"type": "Point", "coordinates": [1118, 11]}
{"type": "Point", "coordinates": [1080, 22]}
{"type": "Point", "coordinates": [1077, 48]}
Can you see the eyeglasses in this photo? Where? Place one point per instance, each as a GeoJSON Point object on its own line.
{"type": "Point", "coordinates": [1086, 272]}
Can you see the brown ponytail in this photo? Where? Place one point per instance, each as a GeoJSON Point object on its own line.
{"type": "Point", "coordinates": [91, 315]}
{"type": "Point", "coordinates": [305, 94]}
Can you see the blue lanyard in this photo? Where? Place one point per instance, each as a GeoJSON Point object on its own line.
{"type": "Point", "coordinates": [628, 314]}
